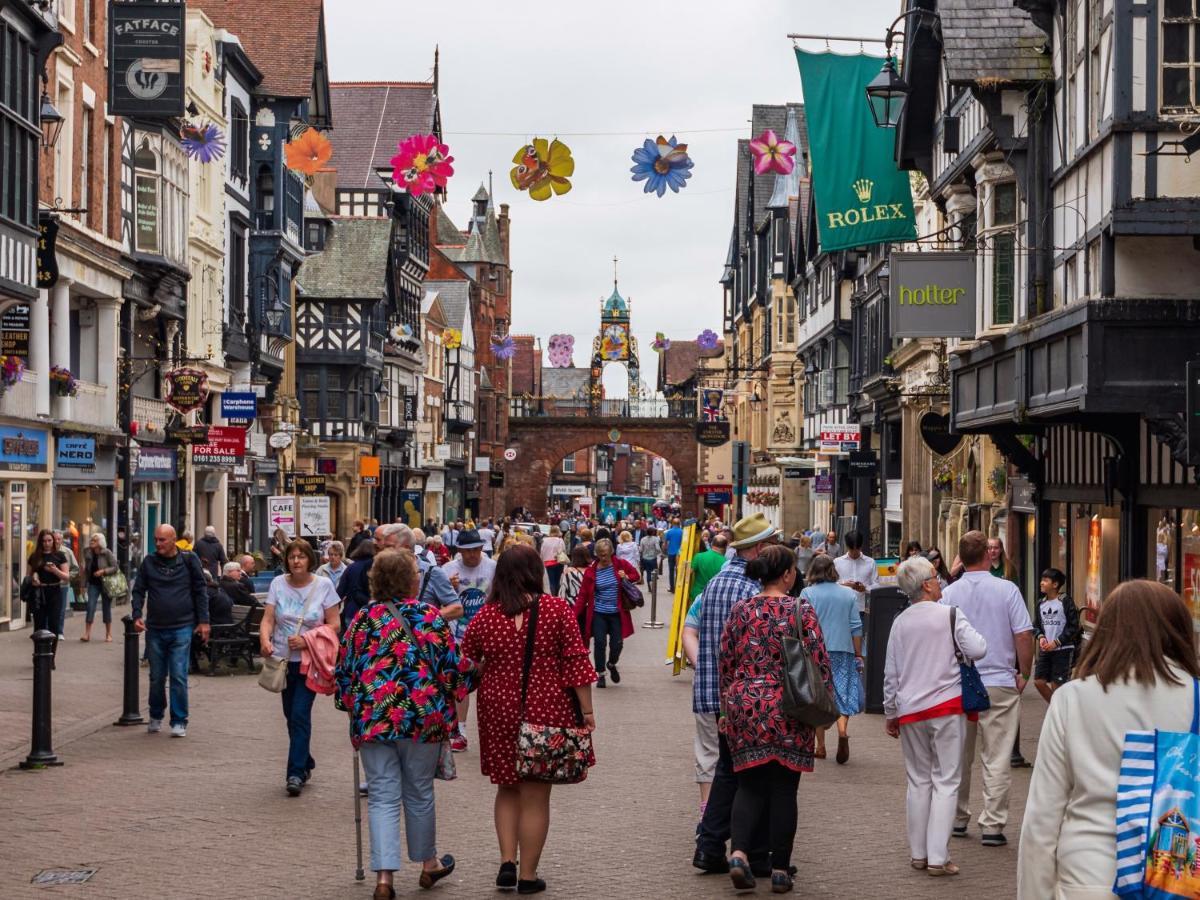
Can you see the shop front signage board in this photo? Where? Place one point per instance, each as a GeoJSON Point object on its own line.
{"type": "Point", "coordinates": [307, 485]}
{"type": "Point", "coordinates": [76, 453]}
{"type": "Point", "coordinates": [145, 58]}
{"type": "Point", "coordinates": [14, 331]}
{"type": "Point", "coordinates": [281, 513]}
{"type": "Point", "coordinates": [569, 490]}
{"type": "Point", "coordinates": [23, 449]}
{"type": "Point", "coordinates": [823, 484]}
{"type": "Point", "coordinates": [187, 389]}
{"type": "Point", "coordinates": [864, 464]}
{"type": "Point", "coordinates": [47, 251]}
{"type": "Point", "coordinates": [932, 295]}
{"type": "Point", "coordinates": [239, 405]}
{"type": "Point", "coordinates": [314, 516]}
{"type": "Point", "coordinates": [935, 432]}
{"type": "Point", "coordinates": [368, 471]}
{"type": "Point", "coordinates": [712, 434]}
{"type": "Point", "coordinates": [280, 440]}
{"type": "Point", "coordinates": [154, 464]}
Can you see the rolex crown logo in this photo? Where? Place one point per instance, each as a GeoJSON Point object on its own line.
{"type": "Point", "coordinates": [863, 188]}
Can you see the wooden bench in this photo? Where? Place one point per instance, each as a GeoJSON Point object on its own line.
{"type": "Point", "coordinates": [237, 641]}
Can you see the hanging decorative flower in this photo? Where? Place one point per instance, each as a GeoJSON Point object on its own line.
{"type": "Point", "coordinates": [62, 382]}
{"type": "Point", "coordinates": [943, 476]}
{"type": "Point", "coordinates": [12, 368]}
{"type": "Point", "coordinates": [707, 339]}
{"type": "Point", "coordinates": [543, 168]}
{"type": "Point", "coordinates": [662, 164]}
{"type": "Point", "coordinates": [308, 153]}
{"type": "Point", "coordinates": [452, 338]}
{"type": "Point", "coordinates": [772, 155]}
{"type": "Point", "coordinates": [422, 164]}
{"type": "Point", "coordinates": [504, 347]}
{"type": "Point", "coordinates": [661, 342]}
{"type": "Point", "coordinates": [400, 332]}
{"type": "Point", "coordinates": [203, 142]}
{"type": "Point", "coordinates": [561, 350]}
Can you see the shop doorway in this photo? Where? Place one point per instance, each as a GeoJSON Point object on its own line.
{"type": "Point", "coordinates": [16, 518]}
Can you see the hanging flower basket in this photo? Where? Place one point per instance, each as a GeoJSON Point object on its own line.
{"type": "Point", "coordinates": [943, 477]}
{"type": "Point", "coordinates": [12, 368]}
{"type": "Point", "coordinates": [997, 480]}
{"type": "Point", "coordinates": [62, 382]}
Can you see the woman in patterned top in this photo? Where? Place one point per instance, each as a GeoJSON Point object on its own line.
{"type": "Point", "coordinates": [769, 750]}
{"type": "Point", "coordinates": [399, 676]}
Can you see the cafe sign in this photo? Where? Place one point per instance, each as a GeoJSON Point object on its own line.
{"type": "Point", "coordinates": [932, 295]}
{"type": "Point", "coordinates": [187, 389]}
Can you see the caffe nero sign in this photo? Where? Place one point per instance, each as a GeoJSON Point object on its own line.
{"type": "Point", "coordinates": [145, 58]}
{"type": "Point", "coordinates": [932, 295]}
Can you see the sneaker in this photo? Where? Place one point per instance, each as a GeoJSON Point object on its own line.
{"type": "Point", "coordinates": [600, 682]}
{"type": "Point", "coordinates": [458, 744]}
{"type": "Point", "coordinates": [959, 831]}
{"type": "Point", "coordinates": [295, 784]}
{"type": "Point", "coordinates": [612, 671]}
{"type": "Point", "coordinates": [154, 726]}
{"type": "Point", "coordinates": [178, 731]}
{"type": "Point", "coordinates": [994, 840]}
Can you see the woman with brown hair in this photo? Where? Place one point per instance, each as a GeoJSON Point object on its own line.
{"type": "Point", "coordinates": [496, 642]}
{"type": "Point", "coordinates": [49, 571]}
{"type": "Point", "coordinates": [297, 602]}
{"type": "Point", "coordinates": [1137, 673]}
{"type": "Point", "coordinates": [400, 686]}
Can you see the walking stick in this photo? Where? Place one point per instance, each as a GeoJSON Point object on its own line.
{"type": "Point", "coordinates": [358, 873]}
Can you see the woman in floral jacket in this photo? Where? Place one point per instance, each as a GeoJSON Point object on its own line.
{"type": "Point", "coordinates": [399, 676]}
{"type": "Point", "coordinates": [769, 750]}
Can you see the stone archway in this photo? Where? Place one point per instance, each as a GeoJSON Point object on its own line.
{"type": "Point", "coordinates": [542, 442]}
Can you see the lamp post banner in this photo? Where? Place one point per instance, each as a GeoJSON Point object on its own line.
{"type": "Point", "coordinates": [862, 198]}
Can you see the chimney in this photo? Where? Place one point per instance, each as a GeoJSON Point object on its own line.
{"type": "Point", "coordinates": [503, 223]}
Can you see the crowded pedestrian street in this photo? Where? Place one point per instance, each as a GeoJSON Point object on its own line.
{"type": "Point", "coordinates": [205, 816]}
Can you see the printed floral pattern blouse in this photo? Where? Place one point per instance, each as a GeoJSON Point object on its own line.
{"type": "Point", "coordinates": [389, 686]}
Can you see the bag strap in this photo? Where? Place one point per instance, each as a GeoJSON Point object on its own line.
{"type": "Point", "coordinates": [424, 582]}
{"type": "Point", "coordinates": [530, 628]}
{"type": "Point", "coordinates": [958, 654]}
{"type": "Point", "coordinates": [1196, 706]}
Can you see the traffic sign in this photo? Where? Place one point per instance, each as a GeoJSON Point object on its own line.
{"type": "Point", "coordinates": [314, 516]}
{"type": "Point", "coordinates": [510, 454]}
{"type": "Point", "coordinates": [281, 513]}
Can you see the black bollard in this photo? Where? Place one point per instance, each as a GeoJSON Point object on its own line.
{"type": "Point", "coordinates": [131, 715]}
{"type": "Point", "coordinates": [41, 753]}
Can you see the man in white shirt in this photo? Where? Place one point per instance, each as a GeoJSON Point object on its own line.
{"type": "Point", "coordinates": [471, 574]}
{"type": "Point", "coordinates": [856, 570]}
{"type": "Point", "coordinates": [996, 609]}
{"type": "Point", "coordinates": [488, 534]}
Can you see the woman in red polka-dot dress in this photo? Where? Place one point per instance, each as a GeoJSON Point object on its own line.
{"type": "Point", "coordinates": [495, 641]}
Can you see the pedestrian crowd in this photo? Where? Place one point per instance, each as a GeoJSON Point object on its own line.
{"type": "Point", "coordinates": [403, 625]}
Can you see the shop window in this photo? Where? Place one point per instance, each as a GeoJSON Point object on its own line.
{"type": "Point", "coordinates": [1180, 55]}
{"type": "Point", "coordinates": [568, 465]}
{"type": "Point", "coordinates": [239, 140]}
{"type": "Point", "coordinates": [1003, 245]}
{"type": "Point", "coordinates": [19, 134]}
{"type": "Point", "coordinates": [147, 200]}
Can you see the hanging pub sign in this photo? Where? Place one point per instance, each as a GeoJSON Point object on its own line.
{"type": "Point", "coordinates": [932, 295]}
{"type": "Point", "coordinates": [14, 331]}
{"type": "Point", "coordinates": [188, 434]}
{"type": "Point", "coordinates": [47, 258]}
{"type": "Point", "coordinates": [935, 432]}
{"type": "Point", "coordinates": [187, 389]}
{"type": "Point", "coordinates": [712, 434]}
{"type": "Point", "coordinates": [860, 195]}
{"type": "Point", "coordinates": [145, 58]}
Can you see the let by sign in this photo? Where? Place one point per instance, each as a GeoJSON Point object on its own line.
{"type": "Point", "coordinates": [839, 438]}
{"type": "Point", "coordinates": [932, 295]}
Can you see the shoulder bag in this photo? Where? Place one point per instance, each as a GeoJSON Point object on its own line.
{"type": "Point", "coordinates": [115, 586]}
{"type": "Point", "coordinates": [548, 752]}
{"type": "Point", "coordinates": [631, 595]}
{"type": "Point", "coordinates": [446, 769]}
{"type": "Point", "coordinates": [806, 698]}
{"type": "Point", "coordinates": [974, 694]}
{"type": "Point", "coordinates": [273, 676]}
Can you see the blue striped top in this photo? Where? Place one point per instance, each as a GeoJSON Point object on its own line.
{"type": "Point", "coordinates": [607, 590]}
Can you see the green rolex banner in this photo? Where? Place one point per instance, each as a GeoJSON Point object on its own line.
{"type": "Point", "coordinates": [861, 197]}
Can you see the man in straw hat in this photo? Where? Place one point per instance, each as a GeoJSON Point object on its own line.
{"type": "Point", "coordinates": [725, 589]}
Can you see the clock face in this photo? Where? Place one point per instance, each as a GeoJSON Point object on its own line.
{"type": "Point", "coordinates": [614, 343]}
{"type": "Point", "coordinates": [614, 435]}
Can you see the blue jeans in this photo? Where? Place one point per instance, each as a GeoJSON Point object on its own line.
{"type": "Point", "coordinates": [94, 593]}
{"type": "Point", "coordinates": [606, 626]}
{"type": "Point", "coordinates": [298, 700]}
{"type": "Point", "coordinates": [400, 773]}
{"type": "Point", "coordinates": [649, 566]}
{"type": "Point", "coordinates": [671, 560]}
{"type": "Point", "coordinates": [168, 650]}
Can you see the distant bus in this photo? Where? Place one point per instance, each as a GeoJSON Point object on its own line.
{"type": "Point", "coordinates": [614, 507]}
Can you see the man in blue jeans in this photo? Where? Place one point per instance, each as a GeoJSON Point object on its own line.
{"type": "Point", "coordinates": [674, 540]}
{"type": "Point", "coordinates": [170, 583]}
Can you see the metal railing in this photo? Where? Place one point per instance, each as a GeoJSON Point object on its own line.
{"type": "Point", "coordinates": [149, 411]}
{"type": "Point", "coordinates": [542, 407]}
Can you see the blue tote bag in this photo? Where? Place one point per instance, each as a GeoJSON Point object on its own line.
{"type": "Point", "coordinates": [1158, 813]}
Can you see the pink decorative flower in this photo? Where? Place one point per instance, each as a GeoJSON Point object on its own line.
{"type": "Point", "coordinates": [772, 155]}
{"type": "Point", "coordinates": [422, 164]}
{"type": "Point", "coordinates": [561, 349]}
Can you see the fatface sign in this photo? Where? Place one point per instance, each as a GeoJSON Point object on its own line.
{"type": "Point", "coordinates": [145, 58]}
{"type": "Point", "coordinates": [932, 295]}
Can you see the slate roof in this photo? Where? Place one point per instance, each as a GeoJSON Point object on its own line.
{"type": "Point", "coordinates": [678, 363]}
{"type": "Point", "coordinates": [991, 39]}
{"type": "Point", "coordinates": [370, 117]}
{"type": "Point", "coordinates": [456, 301]}
{"type": "Point", "coordinates": [565, 384]}
{"type": "Point", "coordinates": [353, 265]}
{"type": "Point", "coordinates": [447, 232]}
{"type": "Point", "coordinates": [282, 44]}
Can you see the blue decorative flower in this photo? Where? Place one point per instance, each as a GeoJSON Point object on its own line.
{"type": "Point", "coordinates": [662, 164]}
{"type": "Point", "coordinates": [504, 347]}
{"type": "Point", "coordinates": [203, 142]}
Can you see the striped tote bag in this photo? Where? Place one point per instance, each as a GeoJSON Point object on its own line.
{"type": "Point", "coordinates": [1158, 813]}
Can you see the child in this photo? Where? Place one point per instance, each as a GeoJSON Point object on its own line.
{"type": "Point", "coordinates": [1056, 627]}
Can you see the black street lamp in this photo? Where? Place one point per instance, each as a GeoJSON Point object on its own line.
{"type": "Point", "coordinates": [51, 121]}
{"type": "Point", "coordinates": [887, 91]}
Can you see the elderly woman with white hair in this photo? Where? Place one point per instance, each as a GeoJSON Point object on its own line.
{"type": "Point", "coordinates": [922, 700]}
{"type": "Point", "coordinates": [98, 562]}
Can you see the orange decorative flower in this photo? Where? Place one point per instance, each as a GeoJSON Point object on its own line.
{"type": "Point", "coordinates": [309, 153]}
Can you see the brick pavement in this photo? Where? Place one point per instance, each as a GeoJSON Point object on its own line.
{"type": "Point", "coordinates": [207, 817]}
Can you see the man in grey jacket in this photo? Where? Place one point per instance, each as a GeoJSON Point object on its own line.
{"type": "Point", "coordinates": [170, 584]}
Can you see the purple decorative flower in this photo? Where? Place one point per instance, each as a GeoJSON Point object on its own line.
{"type": "Point", "coordinates": [504, 348]}
{"type": "Point", "coordinates": [203, 142]}
{"type": "Point", "coordinates": [707, 339]}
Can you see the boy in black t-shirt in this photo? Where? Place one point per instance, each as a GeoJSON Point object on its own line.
{"type": "Point", "coordinates": [1056, 629]}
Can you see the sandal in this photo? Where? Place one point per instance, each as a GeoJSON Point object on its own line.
{"type": "Point", "coordinates": [948, 869]}
{"type": "Point", "coordinates": [919, 864]}
{"type": "Point", "coordinates": [429, 879]}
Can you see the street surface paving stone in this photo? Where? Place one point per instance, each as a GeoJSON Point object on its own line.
{"type": "Point", "coordinates": [206, 816]}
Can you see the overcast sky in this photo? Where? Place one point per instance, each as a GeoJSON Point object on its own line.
{"type": "Point", "coordinates": [512, 71]}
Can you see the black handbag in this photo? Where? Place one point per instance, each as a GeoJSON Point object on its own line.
{"type": "Point", "coordinates": [806, 698]}
{"type": "Point", "coordinates": [631, 595]}
{"type": "Point", "coordinates": [975, 697]}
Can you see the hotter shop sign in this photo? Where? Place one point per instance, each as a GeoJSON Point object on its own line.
{"type": "Point", "coordinates": [932, 295]}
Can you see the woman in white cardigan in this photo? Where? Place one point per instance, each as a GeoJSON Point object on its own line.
{"type": "Point", "coordinates": [922, 699]}
{"type": "Point", "coordinates": [1135, 674]}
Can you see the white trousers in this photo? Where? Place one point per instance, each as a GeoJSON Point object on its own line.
{"type": "Point", "coordinates": [932, 762]}
{"type": "Point", "coordinates": [707, 747]}
{"type": "Point", "coordinates": [996, 730]}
